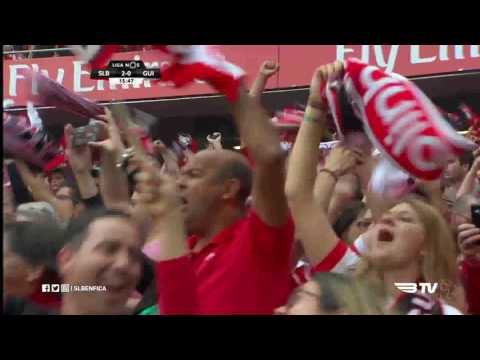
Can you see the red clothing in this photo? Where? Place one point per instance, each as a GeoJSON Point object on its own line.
{"type": "Point", "coordinates": [300, 276]}
{"type": "Point", "coordinates": [246, 153]}
{"type": "Point", "coordinates": [48, 299]}
{"type": "Point", "coordinates": [245, 269]}
{"type": "Point", "coordinates": [471, 282]}
{"type": "Point", "coordinates": [176, 286]}
{"type": "Point", "coordinates": [341, 259]}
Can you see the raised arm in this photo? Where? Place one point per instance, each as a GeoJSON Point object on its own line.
{"type": "Point", "coordinates": [263, 143]}
{"type": "Point", "coordinates": [338, 163]}
{"type": "Point", "coordinates": [215, 141]}
{"type": "Point", "coordinates": [38, 187]}
{"type": "Point", "coordinates": [174, 273]}
{"type": "Point", "coordinates": [470, 182]}
{"type": "Point", "coordinates": [113, 180]}
{"type": "Point", "coordinates": [80, 160]}
{"type": "Point", "coordinates": [267, 70]}
{"type": "Point", "coordinates": [20, 192]}
{"type": "Point", "coordinates": [306, 196]}
{"type": "Point", "coordinates": [41, 192]}
{"type": "Point", "coordinates": [377, 203]}
{"type": "Point", "coordinates": [170, 159]}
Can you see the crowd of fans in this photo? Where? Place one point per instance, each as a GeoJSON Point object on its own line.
{"type": "Point", "coordinates": [263, 230]}
{"type": "Point", "coordinates": [17, 52]}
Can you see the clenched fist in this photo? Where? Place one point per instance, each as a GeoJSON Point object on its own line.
{"type": "Point", "coordinates": [269, 68]}
{"type": "Point", "coordinates": [321, 76]}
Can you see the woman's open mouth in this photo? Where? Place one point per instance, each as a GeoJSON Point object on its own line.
{"type": "Point", "coordinates": [385, 235]}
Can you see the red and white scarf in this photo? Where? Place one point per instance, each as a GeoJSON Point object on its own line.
{"type": "Point", "coordinates": [25, 137]}
{"type": "Point", "coordinates": [202, 62]}
{"type": "Point", "coordinates": [188, 63]}
{"type": "Point", "coordinates": [50, 93]}
{"type": "Point", "coordinates": [401, 121]}
{"type": "Point", "coordinates": [473, 120]}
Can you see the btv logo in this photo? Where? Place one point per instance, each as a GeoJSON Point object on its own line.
{"type": "Point", "coordinates": [411, 288]}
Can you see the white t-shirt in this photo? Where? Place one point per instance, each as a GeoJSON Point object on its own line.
{"type": "Point", "coordinates": [449, 310]}
{"type": "Point", "coordinates": [343, 258]}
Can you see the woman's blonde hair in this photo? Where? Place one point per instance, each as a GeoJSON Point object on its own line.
{"type": "Point", "coordinates": [339, 292]}
{"type": "Point", "coordinates": [438, 265]}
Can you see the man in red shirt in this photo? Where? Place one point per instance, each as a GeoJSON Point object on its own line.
{"type": "Point", "coordinates": [238, 260]}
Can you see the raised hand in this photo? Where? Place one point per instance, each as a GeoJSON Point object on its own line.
{"type": "Point", "coordinates": [269, 68]}
{"type": "Point", "coordinates": [34, 181]}
{"type": "Point", "coordinates": [321, 76]}
{"type": "Point", "coordinates": [469, 240]}
{"type": "Point", "coordinates": [79, 157]}
{"type": "Point", "coordinates": [470, 184]}
{"type": "Point", "coordinates": [156, 191]}
{"type": "Point", "coordinates": [170, 159]}
{"type": "Point", "coordinates": [110, 139]}
{"type": "Point", "coordinates": [215, 141]}
{"type": "Point", "coordinates": [342, 160]}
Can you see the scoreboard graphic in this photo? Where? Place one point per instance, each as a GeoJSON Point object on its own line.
{"type": "Point", "coordinates": [126, 72]}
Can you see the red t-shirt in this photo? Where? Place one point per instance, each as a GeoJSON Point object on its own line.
{"type": "Point", "coordinates": [49, 300]}
{"type": "Point", "coordinates": [471, 282]}
{"type": "Point", "coordinates": [245, 269]}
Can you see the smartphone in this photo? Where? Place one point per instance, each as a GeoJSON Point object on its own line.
{"type": "Point", "coordinates": [85, 134]}
{"type": "Point", "coordinates": [476, 215]}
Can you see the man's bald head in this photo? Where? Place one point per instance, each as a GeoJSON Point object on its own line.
{"type": "Point", "coordinates": [210, 183]}
{"type": "Point", "coordinates": [228, 164]}
{"type": "Point", "coordinates": [220, 155]}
